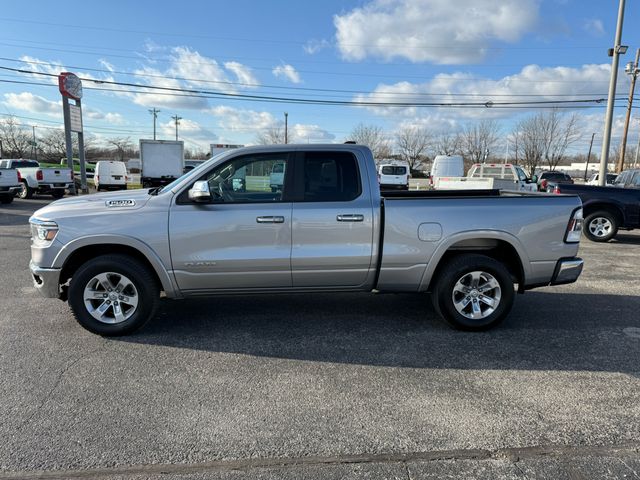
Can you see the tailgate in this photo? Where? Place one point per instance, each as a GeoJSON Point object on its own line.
{"type": "Point", "coordinates": [61, 176]}
{"type": "Point", "coordinates": [8, 177]}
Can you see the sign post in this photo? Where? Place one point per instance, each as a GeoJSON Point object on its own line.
{"type": "Point", "coordinates": [70, 86]}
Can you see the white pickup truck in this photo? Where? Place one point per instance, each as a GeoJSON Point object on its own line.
{"type": "Point", "coordinates": [9, 184]}
{"type": "Point", "coordinates": [52, 181]}
{"type": "Point", "coordinates": [492, 176]}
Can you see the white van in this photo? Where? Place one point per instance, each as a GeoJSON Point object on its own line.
{"type": "Point", "coordinates": [393, 175]}
{"type": "Point", "coordinates": [446, 166]}
{"type": "Point", "coordinates": [110, 175]}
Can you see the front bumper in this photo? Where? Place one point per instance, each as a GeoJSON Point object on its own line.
{"type": "Point", "coordinates": [46, 280]}
{"type": "Point", "coordinates": [567, 271]}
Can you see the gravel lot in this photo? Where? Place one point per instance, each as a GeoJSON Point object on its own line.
{"type": "Point", "coordinates": [324, 386]}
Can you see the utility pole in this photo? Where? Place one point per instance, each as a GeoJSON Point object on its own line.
{"type": "Point", "coordinates": [588, 156]}
{"type": "Point", "coordinates": [632, 70]}
{"type": "Point", "coordinates": [34, 149]}
{"type": "Point", "coordinates": [606, 139]}
{"type": "Point", "coordinates": [177, 120]}
{"type": "Point", "coordinates": [154, 111]}
{"type": "Point", "coordinates": [286, 127]}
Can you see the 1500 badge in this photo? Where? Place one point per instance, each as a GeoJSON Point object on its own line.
{"type": "Point", "coordinates": [120, 203]}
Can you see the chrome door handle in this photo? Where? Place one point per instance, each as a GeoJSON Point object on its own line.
{"type": "Point", "coordinates": [350, 217]}
{"type": "Point", "coordinates": [270, 219]}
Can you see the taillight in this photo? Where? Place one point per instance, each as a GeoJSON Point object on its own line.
{"type": "Point", "coordinates": [39, 175]}
{"type": "Point", "coordinates": [543, 184]}
{"type": "Point", "coordinates": [19, 176]}
{"type": "Point", "coordinates": [574, 228]}
{"type": "Point", "coordinates": [556, 189]}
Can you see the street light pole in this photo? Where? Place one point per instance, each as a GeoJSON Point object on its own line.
{"type": "Point", "coordinates": [632, 70]}
{"type": "Point", "coordinates": [606, 139]}
{"type": "Point", "coordinates": [586, 167]}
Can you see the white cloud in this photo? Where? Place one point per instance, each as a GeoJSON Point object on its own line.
{"type": "Point", "coordinates": [242, 73]}
{"type": "Point", "coordinates": [288, 72]}
{"type": "Point", "coordinates": [314, 46]}
{"type": "Point", "coordinates": [594, 27]}
{"type": "Point", "coordinates": [106, 65]}
{"type": "Point", "coordinates": [311, 133]}
{"type": "Point", "coordinates": [242, 120]}
{"type": "Point", "coordinates": [442, 31]}
{"type": "Point", "coordinates": [29, 102]}
{"type": "Point", "coordinates": [547, 83]}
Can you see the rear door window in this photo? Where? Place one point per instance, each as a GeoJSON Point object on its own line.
{"type": "Point", "coordinates": [330, 177]}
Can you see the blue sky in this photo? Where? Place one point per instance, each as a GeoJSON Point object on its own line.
{"type": "Point", "coordinates": [376, 51]}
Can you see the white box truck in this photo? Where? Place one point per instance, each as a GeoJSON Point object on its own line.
{"type": "Point", "coordinates": [162, 161]}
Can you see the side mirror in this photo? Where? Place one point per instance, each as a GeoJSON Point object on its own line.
{"type": "Point", "coordinates": [200, 192]}
{"type": "Point", "coordinates": [534, 179]}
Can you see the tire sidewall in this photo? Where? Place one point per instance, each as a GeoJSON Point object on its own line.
{"type": "Point", "coordinates": [143, 281]}
{"type": "Point", "coordinates": [602, 214]}
{"type": "Point", "coordinates": [460, 267]}
{"type": "Point", "coordinates": [24, 191]}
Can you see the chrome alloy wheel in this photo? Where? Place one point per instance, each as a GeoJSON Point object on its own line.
{"type": "Point", "coordinates": [476, 295]}
{"type": "Point", "coordinates": [600, 227]}
{"type": "Point", "coordinates": [110, 297]}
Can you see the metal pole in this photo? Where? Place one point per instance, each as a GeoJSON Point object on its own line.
{"type": "Point", "coordinates": [67, 139]}
{"type": "Point", "coordinates": [588, 156]}
{"type": "Point", "coordinates": [604, 155]}
{"type": "Point", "coordinates": [634, 75]}
{"type": "Point", "coordinates": [286, 127]}
{"type": "Point", "coordinates": [35, 149]}
{"type": "Point", "coordinates": [83, 165]}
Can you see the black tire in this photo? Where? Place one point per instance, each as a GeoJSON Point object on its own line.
{"type": "Point", "coordinates": [600, 226]}
{"type": "Point", "coordinates": [6, 199]}
{"type": "Point", "coordinates": [116, 267]}
{"type": "Point", "coordinates": [57, 194]}
{"type": "Point", "coordinates": [447, 287]}
{"type": "Point", "coordinates": [25, 191]}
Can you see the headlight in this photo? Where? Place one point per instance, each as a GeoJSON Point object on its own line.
{"type": "Point", "coordinates": [43, 232]}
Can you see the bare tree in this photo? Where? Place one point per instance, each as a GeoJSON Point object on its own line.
{"type": "Point", "coordinates": [373, 137]}
{"type": "Point", "coordinates": [559, 133]}
{"type": "Point", "coordinates": [274, 135]}
{"type": "Point", "coordinates": [479, 139]}
{"type": "Point", "coordinates": [15, 138]}
{"type": "Point", "coordinates": [123, 147]}
{"type": "Point", "coordinates": [448, 143]}
{"type": "Point", "coordinates": [412, 143]}
{"type": "Point", "coordinates": [528, 134]}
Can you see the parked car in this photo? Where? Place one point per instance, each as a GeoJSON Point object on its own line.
{"type": "Point", "coordinates": [110, 175]}
{"type": "Point", "coordinates": [276, 177]}
{"type": "Point", "coordinates": [9, 184]}
{"type": "Point", "coordinates": [34, 179]}
{"type": "Point", "coordinates": [327, 229]}
{"type": "Point", "coordinates": [446, 166]}
{"type": "Point", "coordinates": [392, 176]}
{"type": "Point", "coordinates": [553, 176]}
{"type": "Point", "coordinates": [594, 180]}
{"type": "Point", "coordinates": [606, 209]}
{"type": "Point", "coordinates": [628, 179]}
{"type": "Point", "coordinates": [501, 176]}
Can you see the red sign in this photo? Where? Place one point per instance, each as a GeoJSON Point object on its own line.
{"type": "Point", "coordinates": [70, 85]}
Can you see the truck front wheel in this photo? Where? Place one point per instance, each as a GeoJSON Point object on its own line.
{"type": "Point", "coordinates": [473, 292]}
{"type": "Point", "coordinates": [113, 295]}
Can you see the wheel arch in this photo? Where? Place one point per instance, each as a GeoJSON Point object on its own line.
{"type": "Point", "coordinates": [614, 208]}
{"type": "Point", "coordinates": [500, 246]}
{"type": "Point", "coordinates": [81, 250]}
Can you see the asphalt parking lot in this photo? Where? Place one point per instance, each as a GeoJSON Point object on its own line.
{"type": "Point", "coordinates": [324, 386]}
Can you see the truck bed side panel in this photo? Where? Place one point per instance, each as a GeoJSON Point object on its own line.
{"type": "Point", "coordinates": [418, 232]}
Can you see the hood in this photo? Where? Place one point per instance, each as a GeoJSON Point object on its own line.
{"type": "Point", "coordinates": [111, 202]}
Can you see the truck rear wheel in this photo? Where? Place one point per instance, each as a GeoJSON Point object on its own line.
{"type": "Point", "coordinates": [473, 292]}
{"type": "Point", "coordinates": [600, 226]}
{"type": "Point", "coordinates": [113, 295]}
{"type": "Point", "coordinates": [25, 190]}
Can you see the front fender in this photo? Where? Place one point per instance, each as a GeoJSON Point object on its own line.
{"type": "Point", "coordinates": [166, 279]}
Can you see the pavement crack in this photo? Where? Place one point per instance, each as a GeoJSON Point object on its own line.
{"type": "Point", "coordinates": [57, 382]}
{"type": "Point", "coordinates": [408, 471]}
{"type": "Point", "coordinates": [635, 474]}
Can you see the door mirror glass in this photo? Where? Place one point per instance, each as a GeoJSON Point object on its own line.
{"type": "Point", "coordinates": [200, 192]}
{"type": "Point", "coordinates": [534, 179]}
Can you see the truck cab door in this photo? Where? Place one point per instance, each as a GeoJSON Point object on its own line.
{"type": "Point", "coordinates": [332, 237]}
{"type": "Point", "coordinates": [239, 240]}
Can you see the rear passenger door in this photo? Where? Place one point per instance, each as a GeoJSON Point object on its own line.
{"type": "Point", "coordinates": [332, 221]}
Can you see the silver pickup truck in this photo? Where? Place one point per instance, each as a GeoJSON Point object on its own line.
{"type": "Point", "coordinates": [222, 228]}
